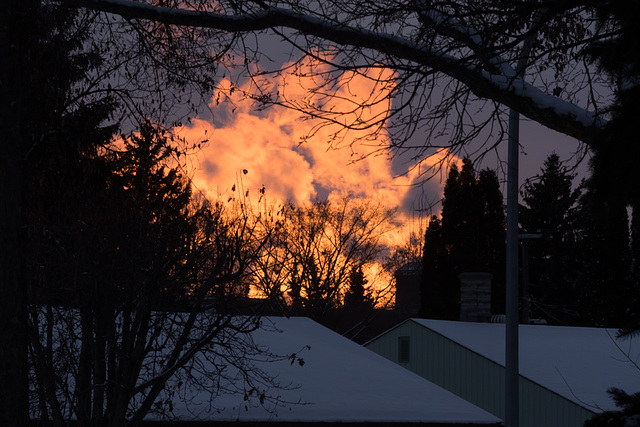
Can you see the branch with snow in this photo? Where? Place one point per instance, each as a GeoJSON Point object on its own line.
{"type": "Point", "coordinates": [497, 83]}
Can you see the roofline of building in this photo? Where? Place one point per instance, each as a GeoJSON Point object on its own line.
{"type": "Point", "coordinates": [583, 405]}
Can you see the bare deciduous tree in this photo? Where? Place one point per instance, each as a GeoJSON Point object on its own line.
{"type": "Point", "coordinates": [452, 71]}
{"type": "Point", "coordinates": [306, 267]}
{"type": "Point", "coordinates": [141, 290]}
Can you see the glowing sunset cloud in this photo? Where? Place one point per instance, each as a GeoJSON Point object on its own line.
{"type": "Point", "coordinates": [267, 144]}
{"type": "Point", "coordinates": [258, 145]}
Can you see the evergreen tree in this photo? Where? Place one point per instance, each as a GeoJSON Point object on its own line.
{"type": "Point", "coordinates": [612, 282]}
{"type": "Point", "coordinates": [469, 237]}
{"type": "Point", "coordinates": [628, 414]}
{"type": "Point", "coordinates": [616, 153]}
{"type": "Point", "coordinates": [47, 118]}
{"type": "Point", "coordinates": [442, 285]}
{"type": "Point", "coordinates": [493, 225]}
{"type": "Point", "coordinates": [155, 220]}
{"type": "Point", "coordinates": [550, 207]}
{"type": "Point", "coordinates": [357, 296]}
{"type": "Point", "coordinates": [436, 301]}
{"type": "Point", "coordinates": [462, 221]}
{"type": "Point", "coordinates": [132, 259]}
{"type": "Point", "coordinates": [550, 201]}
{"type": "Point", "coordinates": [609, 289]}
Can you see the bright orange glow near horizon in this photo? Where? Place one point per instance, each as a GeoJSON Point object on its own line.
{"type": "Point", "coordinates": [267, 145]}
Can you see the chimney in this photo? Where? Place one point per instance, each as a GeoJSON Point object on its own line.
{"type": "Point", "coordinates": [408, 287]}
{"type": "Point", "coordinates": [475, 297]}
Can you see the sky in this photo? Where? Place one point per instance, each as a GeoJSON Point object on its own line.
{"type": "Point", "coordinates": [266, 144]}
{"type": "Point", "coordinates": [250, 149]}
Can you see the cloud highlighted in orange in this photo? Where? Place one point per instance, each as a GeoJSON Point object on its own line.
{"type": "Point", "coordinates": [331, 163]}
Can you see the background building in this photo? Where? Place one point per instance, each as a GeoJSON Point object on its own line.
{"type": "Point", "coordinates": [564, 371]}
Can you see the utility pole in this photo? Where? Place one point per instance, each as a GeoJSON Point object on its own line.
{"type": "Point", "coordinates": [512, 394]}
{"type": "Point", "coordinates": [512, 376]}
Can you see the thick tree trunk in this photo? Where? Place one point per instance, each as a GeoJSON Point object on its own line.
{"type": "Point", "coordinates": [42, 357]}
{"type": "Point", "coordinates": [84, 390]}
{"type": "Point", "coordinates": [13, 315]}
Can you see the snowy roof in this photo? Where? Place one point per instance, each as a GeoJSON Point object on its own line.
{"type": "Point", "coordinates": [339, 381]}
{"type": "Point", "coordinates": [577, 363]}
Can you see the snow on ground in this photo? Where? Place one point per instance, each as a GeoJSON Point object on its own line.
{"type": "Point", "coordinates": [338, 381]}
{"type": "Point", "coordinates": [577, 363]}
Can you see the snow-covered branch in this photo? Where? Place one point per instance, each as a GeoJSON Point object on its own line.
{"type": "Point", "coordinates": [496, 84]}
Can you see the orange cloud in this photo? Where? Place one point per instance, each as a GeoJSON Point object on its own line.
{"type": "Point", "coordinates": [267, 145]}
{"type": "Point", "coordinates": [257, 145]}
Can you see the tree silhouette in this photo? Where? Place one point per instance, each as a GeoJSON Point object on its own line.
{"type": "Point", "coordinates": [550, 208]}
{"type": "Point", "coordinates": [447, 59]}
{"type": "Point", "coordinates": [357, 296]}
{"type": "Point", "coordinates": [146, 272]}
{"type": "Point", "coordinates": [48, 118]}
{"type": "Point", "coordinates": [611, 288]}
{"type": "Point", "coordinates": [494, 225]}
{"type": "Point", "coordinates": [435, 298]}
{"type": "Point", "coordinates": [469, 59]}
{"type": "Point", "coordinates": [469, 237]}
{"type": "Point", "coordinates": [311, 261]}
{"type": "Point", "coordinates": [609, 291]}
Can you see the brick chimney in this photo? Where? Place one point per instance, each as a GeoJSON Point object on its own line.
{"type": "Point", "coordinates": [475, 297]}
{"type": "Point", "coordinates": [408, 287]}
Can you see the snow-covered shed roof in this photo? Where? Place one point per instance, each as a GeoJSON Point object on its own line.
{"type": "Point", "coordinates": [339, 381]}
{"type": "Point", "coordinates": [577, 363]}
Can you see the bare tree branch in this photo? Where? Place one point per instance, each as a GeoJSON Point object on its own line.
{"type": "Point", "coordinates": [497, 84]}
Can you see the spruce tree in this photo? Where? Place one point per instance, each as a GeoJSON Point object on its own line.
{"type": "Point", "coordinates": [452, 229]}
{"type": "Point", "coordinates": [493, 226]}
{"type": "Point", "coordinates": [435, 301]}
{"type": "Point", "coordinates": [357, 296]}
{"type": "Point", "coordinates": [609, 291]}
{"type": "Point", "coordinates": [468, 237]}
{"type": "Point", "coordinates": [46, 115]}
{"type": "Point", "coordinates": [613, 184]}
{"type": "Point", "coordinates": [467, 225]}
{"type": "Point", "coordinates": [550, 208]}
{"type": "Point", "coordinates": [612, 284]}
{"type": "Point", "coordinates": [124, 257]}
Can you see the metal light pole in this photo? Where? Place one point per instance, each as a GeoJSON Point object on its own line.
{"type": "Point", "coordinates": [512, 393]}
